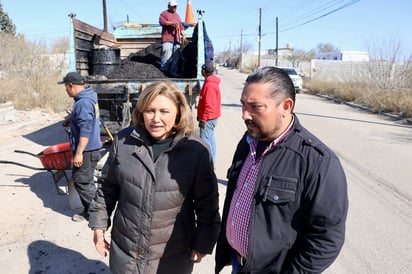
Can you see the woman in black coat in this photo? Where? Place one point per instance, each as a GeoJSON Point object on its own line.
{"type": "Point", "coordinates": [159, 179]}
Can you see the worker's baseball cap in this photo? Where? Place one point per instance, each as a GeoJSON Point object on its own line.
{"type": "Point", "coordinates": [173, 3]}
{"type": "Point", "coordinates": [72, 78]}
{"type": "Point", "coordinates": [208, 67]}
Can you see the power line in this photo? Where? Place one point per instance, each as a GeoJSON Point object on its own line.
{"type": "Point", "coordinates": [321, 16]}
{"type": "Point", "coordinates": [312, 12]}
{"type": "Point", "coordinates": [307, 10]}
{"type": "Point", "coordinates": [308, 14]}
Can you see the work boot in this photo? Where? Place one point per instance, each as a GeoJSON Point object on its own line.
{"type": "Point", "coordinates": [80, 217]}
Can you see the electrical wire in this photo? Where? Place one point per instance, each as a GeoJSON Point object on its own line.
{"type": "Point", "coordinates": [313, 11]}
{"type": "Point", "coordinates": [320, 16]}
{"type": "Point", "coordinates": [306, 16]}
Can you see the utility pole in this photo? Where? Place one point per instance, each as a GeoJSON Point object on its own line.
{"type": "Point", "coordinates": [241, 48]}
{"type": "Point", "coordinates": [230, 55]}
{"type": "Point", "coordinates": [276, 49]}
{"type": "Point", "coordinates": [241, 40]}
{"type": "Point", "coordinates": [260, 35]}
{"type": "Point", "coordinates": [104, 16]}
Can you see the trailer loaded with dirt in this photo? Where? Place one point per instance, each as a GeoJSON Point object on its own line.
{"type": "Point", "coordinates": [118, 65]}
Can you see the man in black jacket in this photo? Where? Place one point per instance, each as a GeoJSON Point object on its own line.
{"type": "Point", "coordinates": [286, 200]}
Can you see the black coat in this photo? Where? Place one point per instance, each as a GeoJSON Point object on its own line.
{"type": "Point", "coordinates": [164, 209]}
{"type": "Point", "coordinates": [299, 207]}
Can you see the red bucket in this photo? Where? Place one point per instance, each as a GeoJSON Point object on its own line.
{"type": "Point", "coordinates": [57, 157]}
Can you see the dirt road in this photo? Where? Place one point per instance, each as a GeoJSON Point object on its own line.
{"type": "Point", "coordinates": [39, 237]}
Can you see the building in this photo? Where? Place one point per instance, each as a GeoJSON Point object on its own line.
{"type": "Point", "coordinates": [344, 55]}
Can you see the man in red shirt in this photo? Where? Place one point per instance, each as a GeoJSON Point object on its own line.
{"type": "Point", "coordinates": [172, 30]}
{"type": "Point", "coordinates": [208, 109]}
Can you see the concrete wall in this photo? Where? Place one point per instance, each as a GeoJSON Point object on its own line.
{"type": "Point", "coordinates": [251, 61]}
{"type": "Point", "coordinates": [333, 70]}
{"type": "Point", "coordinates": [338, 71]}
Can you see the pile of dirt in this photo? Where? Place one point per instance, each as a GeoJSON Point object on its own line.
{"type": "Point", "coordinates": [145, 64]}
{"type": "Point", "coordinates": [136, 70]}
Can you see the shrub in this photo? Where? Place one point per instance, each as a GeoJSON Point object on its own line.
{"type": "Point", "coordinates": [393, 101]}
{"type": "Point", "coordinates": [30, 75]}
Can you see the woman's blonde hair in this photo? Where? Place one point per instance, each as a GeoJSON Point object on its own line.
{"type": "Point", "coordinates": [184, 118]}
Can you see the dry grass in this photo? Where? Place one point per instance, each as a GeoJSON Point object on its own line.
{"type": "Point", "coordinates": [247, 70]}
{"type": "Point", "coordinates": [28, 94]}
{"type": "Point", "coordinates": [30, 75]}
{"type": "Point", "coordinates": [398, 102]}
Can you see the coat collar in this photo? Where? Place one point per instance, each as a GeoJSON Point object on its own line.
{"type": "Point", "coordinates": [142, 136]}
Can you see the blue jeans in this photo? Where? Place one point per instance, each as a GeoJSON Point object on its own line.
{"type": "Point", "coordinates": [236, 267]}
{"type": "Point", "coordinates": [207, 134]}
{"type": "Point", "coordinates": [169, 61]}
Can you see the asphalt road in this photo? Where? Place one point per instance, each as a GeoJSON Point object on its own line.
{"type": "Point", "coordinates": [376, 154]}
{"type": "Point", "coordinates": [39, 237]}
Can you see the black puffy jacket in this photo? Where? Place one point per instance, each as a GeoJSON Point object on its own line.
{"type": "Point", "coordinates": [164, 208]}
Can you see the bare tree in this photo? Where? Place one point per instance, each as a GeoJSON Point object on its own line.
{"type": "Point", "coordinates": [298, 55]}
{"type": "Point", "coordinates": [326, 47]}
{"type": "Point", "coordinates": [246, 46]}
{"type": "Point", "coordinates": [31, 74]}
{"type": "Point", "coordinates": [390, 66]}
{"type": "Point", "coordinates": [61, 45]}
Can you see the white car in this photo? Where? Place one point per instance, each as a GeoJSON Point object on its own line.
{"type": "Point", "coordinates": [294, 75]}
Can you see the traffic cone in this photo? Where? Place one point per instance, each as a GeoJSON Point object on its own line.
{"type": "Point", "coordinates": [190, 19]}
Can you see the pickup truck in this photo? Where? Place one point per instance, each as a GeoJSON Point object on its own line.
{"type": "Point", "coordinates": [97, 55]}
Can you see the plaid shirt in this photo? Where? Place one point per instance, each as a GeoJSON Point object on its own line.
{"type": "Point", "coordinates": [237, 228]}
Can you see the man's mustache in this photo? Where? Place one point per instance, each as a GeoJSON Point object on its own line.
{"type": "Point", "coordinates": [250, 122]}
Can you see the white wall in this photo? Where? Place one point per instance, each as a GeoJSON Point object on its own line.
{"type": "Point", "coordinates": [332, 70]}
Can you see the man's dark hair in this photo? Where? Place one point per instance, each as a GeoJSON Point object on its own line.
{"type": "Point", "coordinates": [281, 86]}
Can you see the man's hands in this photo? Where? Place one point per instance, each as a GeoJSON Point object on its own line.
{"type": "Point", "coordinates": [173, 24]}
{"type": "Point", "coordinates": [197, 256]}
{"type": "Point", "coordinates": [176, 25]}
{"type": "Point", "coordinates": [202, 124]}
{"type": "Point", "coordinates": [102, 246]}
{"type": "Point", "coordinates": [78, 155]}
{"type": "Point", "coordinates": [78, 159]}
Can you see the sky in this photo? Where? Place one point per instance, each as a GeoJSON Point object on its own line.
{"type": "Point", "coordinates": [353, 25]}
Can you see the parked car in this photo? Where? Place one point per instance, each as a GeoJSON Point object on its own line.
{"type": "Point", "coordinates": [296, 78]}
